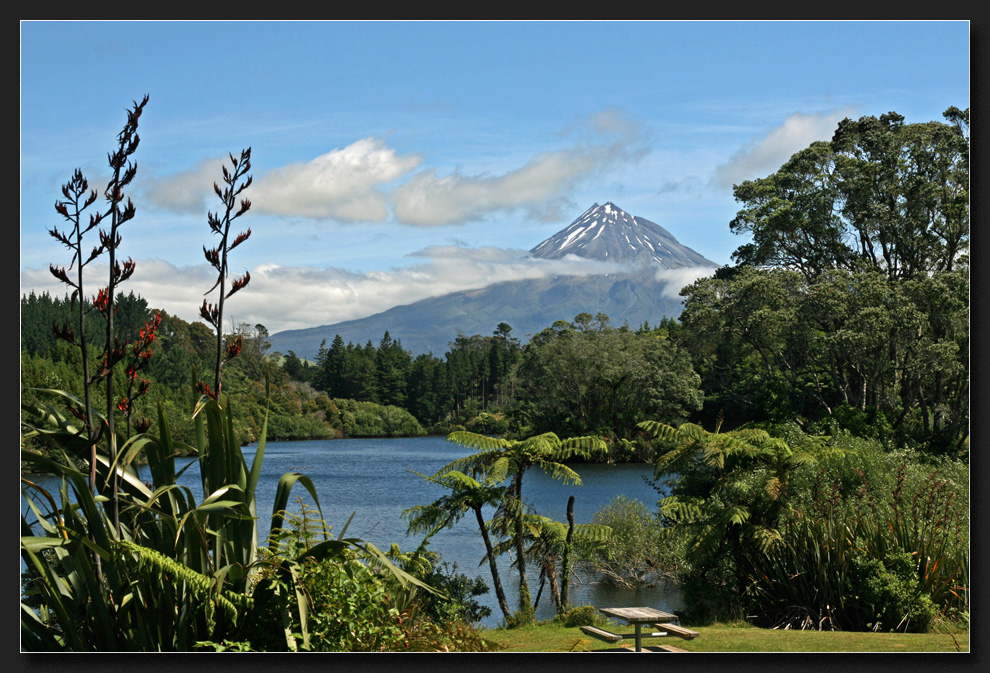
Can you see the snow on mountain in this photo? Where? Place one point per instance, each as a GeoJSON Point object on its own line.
{"type": "Point", "coordinates": [609, 233]}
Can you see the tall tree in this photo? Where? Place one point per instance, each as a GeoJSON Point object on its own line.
{"type": "Point", "coordinates": [466, 494]}
{"type": "Point", "coordinates": [882, 194]}
{"type": "Point", "coordinates": [593, 378]}
{"type": "Point", "coordinates": [773, 346]}
{"type": "Point", "coordinates": [429, 396]}
{"type": "Point", "coordinates": [547, 452]}
{"type": "Point", "coordinates": [392, 364]}
{"type": "Point", "coordinates": [331, 364]}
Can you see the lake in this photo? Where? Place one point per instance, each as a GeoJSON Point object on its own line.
{"type": "Point", "coordinates": [372, 479]}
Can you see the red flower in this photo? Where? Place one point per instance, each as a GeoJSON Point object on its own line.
{"type": "Point", "coordinates": [234, 346]}
{"type": "Point", "coordinates": [204, 389]}
{"type": "Point", "coordinates": [101, 301]}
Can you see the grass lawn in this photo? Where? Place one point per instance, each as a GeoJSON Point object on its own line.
{"type": "Point", "coordinates": [733, 638]}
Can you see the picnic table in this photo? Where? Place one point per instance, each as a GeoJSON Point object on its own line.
{"type": "Point", "coordinates": [637, 617]}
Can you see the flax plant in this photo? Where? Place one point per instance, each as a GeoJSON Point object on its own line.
{"type": "Point", "coordinates": [867, 561]}
{"type": "Point", "coordinates": [178, 574]}
{"type": "Point", "coordinates": [78, 198]}
{"type": "Point", "coordinates": [117, 214]}
{"type": "Point", "coordinates": [236, 181]}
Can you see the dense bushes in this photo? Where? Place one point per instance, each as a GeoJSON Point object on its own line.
{"type": "Point", "coordinates": [845, 536]}
{"type": "Point", "coordinates": [888, 592]}
{"type": "Point", "coordinates": [367, 419]}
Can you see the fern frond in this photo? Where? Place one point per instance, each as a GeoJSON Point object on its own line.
{"type": "Point", "coordinates": [736, 515]}
{"type": "Point", "coordinates": [473, 440]}
{"type": "Point", "coordinates": [206, 589]}
{"type": "Point", "coordinates": [767, 539]}
{"type": "Point", "coordinates": [679, 510]}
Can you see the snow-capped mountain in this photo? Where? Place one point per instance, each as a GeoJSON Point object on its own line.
{"type": "Point", "coordinates": [611, 234]}
{"type": "Point", "coordinates": [634, 296]}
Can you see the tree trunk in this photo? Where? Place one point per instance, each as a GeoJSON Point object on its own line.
{"type": "Point", "coordinates": [524, 596]}
{"type": "Point", "coordinates": [496, 581]}
{"type": "Point", "coordinates": [565, 580]}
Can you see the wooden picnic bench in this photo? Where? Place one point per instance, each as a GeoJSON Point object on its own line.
{"type": "Point", "coordinates": [637, 617]}
{"type": "Point", "coordinates": [679, 631]}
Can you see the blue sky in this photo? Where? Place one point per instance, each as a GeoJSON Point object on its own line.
{"type": "Point", "coordinates": [398, 160]}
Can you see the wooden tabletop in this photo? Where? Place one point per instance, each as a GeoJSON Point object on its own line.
{"type": "Point", "coordinates": [639, 615]}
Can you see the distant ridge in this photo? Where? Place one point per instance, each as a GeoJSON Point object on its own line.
{"type": "Point", "coordinates": [603, 232]}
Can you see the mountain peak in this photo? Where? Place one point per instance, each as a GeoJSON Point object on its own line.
{"type": "Point", "coordinates": [607, 232]}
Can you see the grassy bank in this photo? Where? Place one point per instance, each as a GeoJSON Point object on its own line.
{"type": "Point", "coordinates": [736, 638]}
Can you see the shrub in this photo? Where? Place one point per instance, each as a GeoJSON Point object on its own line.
{"type": "Point", "coordinates": [456, 636]}
{"type": "Point", "coordinates": [367, 419]}
{"type": "Point", "coordinates": [889, 592]}
{"type": "Point", "coordinates": [352, 610]}
{"type": "Point", "coordinates": [634, 553]}
{"type": "Point", "coordinates": [580, 615]}
{"type": "Point", "coordinates": [878, 557]}
{"type": "Point", "coordinates": [488, 424]}
{"type": "Point", "coordinates": [457, 602]}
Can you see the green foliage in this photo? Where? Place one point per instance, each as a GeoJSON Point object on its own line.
{"type": "Point", "coordinates": [367, 419]}
{"type": "Point", "coordinates": [456, 636]}
{"type": "Point", "coordinates": [882, 193]}
{"type": "Point", "coordinates": [850, 307]}
{"type": "Point", "coordinates": [580, 615]}
{"type": "Point", "coordinates": [593, 378]}
{"type": "Point", "coordinates": [488, 424]}
{"type": "Point", "coordinates": [187, 573]}
{"type": "Point", "coordinates": [887, 357]}
{"type": "Point", "coordinates": [548, 544]}
{"type": "Point", "coordinates": [164, 585]}
{"type": "Point", "coordinates": [352, 597]}
{"type": "Point", "coordinates": [473, 374]}
{"type": "Point", "coordinates": [294, 410]}
{"type": "Point", "coordinates": [813, 532]}
{"type": "Point", "coordinates": [352, 610]}
{"type": "Point", "coordinates": [456, 597]}
{"type": "Point", "coordinates": [467, 494]}
{"type": "Point", "coordinates": [635, 552]}
{"type": "Point", "coordinates": [498, 458]}
{"type": "Point", "coordinates": [889, 589]}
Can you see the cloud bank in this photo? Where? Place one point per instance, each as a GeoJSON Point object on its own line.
{"type": "Point", "coordinates": [284, 297]}
{"type": "Point", "coordinates": [368, 181]}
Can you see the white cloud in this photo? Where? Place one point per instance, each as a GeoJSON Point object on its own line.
{"type": "Point", "coordinates": [429, 199]}
{"type": "Point", "coordinates": [343, 185]}
{"type": "Point", "coordinates": [766, 155]}
{"type": "Point", "coordinates": [186, 192]}
{"type": "Point", "coordinates": [354, 184]}
{"type": "Point", "coordinates": [677, 279]}
{"type": "Point", "coordinates": [296, 297]}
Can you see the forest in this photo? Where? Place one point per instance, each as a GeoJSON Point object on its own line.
{"type": "Point", "coordinates": [809, 408]}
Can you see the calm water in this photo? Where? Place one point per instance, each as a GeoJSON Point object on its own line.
{"type": "Point", "coordinates": [371, 479]}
